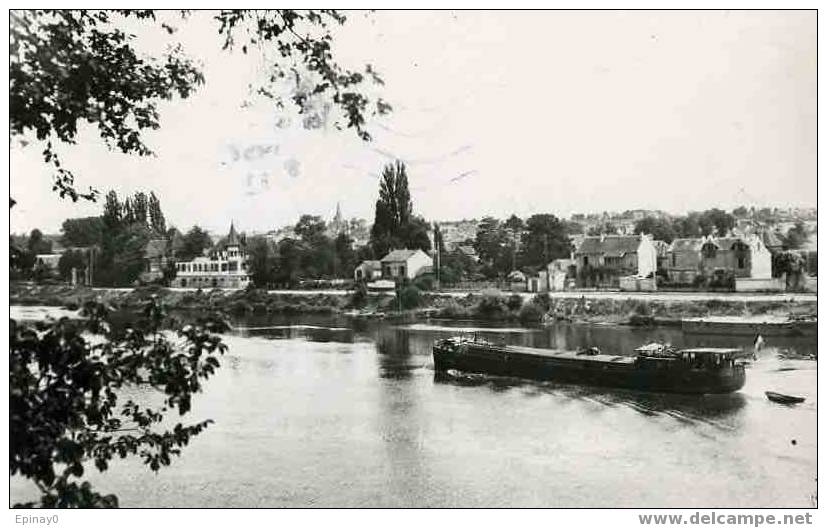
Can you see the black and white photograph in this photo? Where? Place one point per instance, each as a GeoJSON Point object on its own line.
{"type": "Point", "coordinates": [269, 258]}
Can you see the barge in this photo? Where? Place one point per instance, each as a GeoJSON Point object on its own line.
{"type": "Point", "coordinates": [654, 367]}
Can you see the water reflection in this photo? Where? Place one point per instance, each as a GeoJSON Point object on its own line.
{"type": "Point", "coordinates": [326, 411]}
{"type": "Point", "coordinates": [689, 408]}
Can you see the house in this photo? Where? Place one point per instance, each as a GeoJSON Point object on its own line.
{"type": "Point", "coordinates": [469, 251]}
{"type": "Point", "coordinates": [155, 260]}
{"type": "Point", "coordinates": [368, 270]}
{"type": "Point", "coordinates": [48, 260]}
{"type": "Point", "coordinates": [744, 257]}
{"type": "Point", "coordinates": [683, 260]}
{"type": "Point", "coordinates": [602, 260]}
{"type": "Point", "coordinates": [557, 272]}
{"type": "Point", "coordinates": [225, 266]}
{"type": "Point", "coordinates": [662, 251]}
{"type": "Point", "coordinates": [405, 264]}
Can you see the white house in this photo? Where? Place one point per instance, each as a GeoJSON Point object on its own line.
{"type": "Point", "coordinates": [405, 263]}
{"type": "Point", "coordinates": [224, 267]}
{"type": "Point", "coordinates": [604, 259]}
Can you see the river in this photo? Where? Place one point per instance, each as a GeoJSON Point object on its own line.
{"type": "Point", "coordinates": [326, 412]}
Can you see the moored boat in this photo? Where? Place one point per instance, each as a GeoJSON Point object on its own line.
{"type": "Point", "coordinates": [654, 367]}
{"type": "Point", "coordinates": [777, 397]}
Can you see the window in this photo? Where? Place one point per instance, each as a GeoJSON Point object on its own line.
{"type": "Point", "coordinates": [741, 262]}
{"type": "Point", "coordinates": [232, 266]}
{"type": "Point", "coordinates": [223, 266]}
{"type": "Point", "coordinates": [709, 251]}
{"type": "Point", "coordinates": [674, 260]}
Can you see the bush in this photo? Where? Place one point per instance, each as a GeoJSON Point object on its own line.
{"type": "Point", "coordinates": [543, 300]}
{"type": "Point", "coordinates": [491, 306]}
{"type": "Point", "coordinates": [360, 295]}
{"type": "Point", "coordinates": [641, 308]}
{"type": "Point", "coordinates": [454, 310]}
{"type": "Point", "coordinates": [514, 302]}
{"type": "Point", "coordinates": [425, 282]}
{"type": "Point", "coordinates": [531, 313]}
{"type": "Point", "coordinates": [409, 297]}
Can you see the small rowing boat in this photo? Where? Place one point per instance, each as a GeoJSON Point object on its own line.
{"type": "Point", "coordinates": [777, 397]}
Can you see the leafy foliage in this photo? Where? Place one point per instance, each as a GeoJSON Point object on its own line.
{"type": "Point", "coordinates": [193, 243]}
{"type": "Point", "coordinates": [545, 239]}
{"type": "Point", "coordinates": [72, 67]}
{"type": "Point", "coordinates": [659, 228]}
{"type": "Point", "coordinates": [126, 228]}
{"type": "Point", "coordinates": [72, 259]}
{"type": "Point", "coordinates": [797, 236]}
{"type": "Point", "coordinates": [394, 225]}
{"type": "Point", "coordinates": [66, 406]}
{"type": "Point", "coordinates": [495, 246]}
{"type": "Point", "coordinates": [82, 232]}
{"type": "Point", "coordinates": [68, 67]}
{"type": "Point", "coordinates": [303, 42]}
{"type": "Point", "coordinates": [409, 296]}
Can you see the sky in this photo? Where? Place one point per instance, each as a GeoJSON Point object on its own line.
{"type": "Point", "coordinates": [494, 113]}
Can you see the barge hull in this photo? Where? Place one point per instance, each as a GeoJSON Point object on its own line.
{"type": "Point", "coordinates": [621, 375]}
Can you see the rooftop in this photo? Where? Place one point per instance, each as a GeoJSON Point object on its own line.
{"type": "Point", "coordinates": [399, 255]}
{"type": "Point", "coordinates": [610, 244]}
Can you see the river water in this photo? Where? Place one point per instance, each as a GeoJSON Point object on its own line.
{"type": "Point", "coordinates": [325, 412]}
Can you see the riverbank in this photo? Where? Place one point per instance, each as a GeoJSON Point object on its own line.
{"type": "Point", "coordinates": [484, 306]}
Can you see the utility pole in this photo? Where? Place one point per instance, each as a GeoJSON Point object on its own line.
{"type": "Point", "coordinates": [438, 243]}
{"type": "Point", "coordinates": [92, 266]}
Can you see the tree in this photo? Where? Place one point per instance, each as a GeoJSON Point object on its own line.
{"type": "Point", "coordinates": [345, 256]}
{"type": "Point", "coordinates": [72, 67]}
{"type": "Point", "coordinates": [545, 240]}
{"type": "Point", "coordinates": [289, 261]}
{"type": "Point", "coordinates": [740, 212]}
{"type": "Point", "coordinates": [659, 228]}
{"type": "Point", "coordinates": [515, 223]}
{"type": "Point", "coordinates": [489, 243]}
{"type": "Point", "coordinates": [156, 216]}
{"type": "Point", "coordinates": [140, 208]}
{"type": "Point", "coordinates": [36, 244]}
{"type": "Point", "coordinates": [716, 222]}
{"type": "Point", "coordinates": [688, 226]}
{"type": "Point", "coordinates": [797, 236]}
{"type": "Point", "coordinates": [310, 228]}
{"type": "Point", "coordinates": [791, 264]}
{"type": "Point", "coordinates": [69, 68]}
{"type": "Point", "coordinates": [82, 232]}
{"type": "Point", "coordinates": [415, 234]}
{"type": "Point", "coordinates": [605, 228]}
{"type": "Point", "coordinates": [393, 210]}
{"type": "Point", "coordinates": [112, 212]}
{"type": "Point", "coordinates": [72, 259]}
{"type": "Point", "coordinates": [66, 411]}
{"type": "Point", "coordinates": [193, 243]}
{"type": "Point", "coordinates": [261, 261]}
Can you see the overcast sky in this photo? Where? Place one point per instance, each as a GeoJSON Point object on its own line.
{"type": "Point", "coordinates": [495, 113]}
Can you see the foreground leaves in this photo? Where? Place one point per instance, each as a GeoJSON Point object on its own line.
{"type": "Point", "coordinates": [66, 406]}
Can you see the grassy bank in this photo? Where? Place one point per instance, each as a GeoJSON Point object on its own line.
{"type": "Point", "coordinates": [489, 306]}
{"type": "Point", "coordinates": [634, 311]}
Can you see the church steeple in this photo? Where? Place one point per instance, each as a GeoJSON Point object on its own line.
{"type": "Point", "coordinates": [232, 238]}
